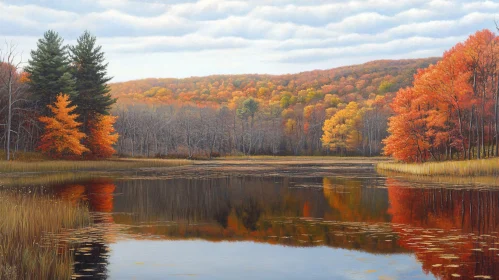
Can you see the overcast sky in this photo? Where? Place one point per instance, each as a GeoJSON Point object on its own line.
{"type": "Point", "coordinates": [175, 38]}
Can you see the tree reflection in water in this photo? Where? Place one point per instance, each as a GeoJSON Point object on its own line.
{"type": "Point", "coordinates": [451, 231]}
{"type": "Point", "coordinates": [91, 256]}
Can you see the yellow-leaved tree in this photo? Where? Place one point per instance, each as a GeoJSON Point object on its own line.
{"type": "Point", "coordinates": [62, 137]}
{"type": "Point", "coordinates": [341, 133]}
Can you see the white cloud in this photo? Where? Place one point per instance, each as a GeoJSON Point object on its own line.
{"type": "Point", "coordinates": [210, 9]}
{"type": "Point", "coordinates": [263, 34]}
{"type": "Point", "coordinates": [188, 43]}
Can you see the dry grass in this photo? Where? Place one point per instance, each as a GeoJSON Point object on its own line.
{"type": "Point", "coordinates": [24, 222]}
{"type": "Point", "coordinates": [483, 167]}
{"type": "Point", "coordinates": [23, 156]}
{"type": "Point", "coordinates": [37, 179]}
{"type": "Point", "coordinates": [104, 165]}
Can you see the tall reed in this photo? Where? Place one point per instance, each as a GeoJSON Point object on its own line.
{"type": "Point", "coordinates": [25, 221]}
{"type": "Point", "coordinates": [483, 167]}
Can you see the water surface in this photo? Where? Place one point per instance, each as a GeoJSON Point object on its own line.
{"type": "Point", "coordinates": [305, 222]}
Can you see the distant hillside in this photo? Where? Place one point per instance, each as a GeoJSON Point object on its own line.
{"type": "Point", "coordinates": [263, 114]}
{"type": "Point", "coordinates": [343, 84]}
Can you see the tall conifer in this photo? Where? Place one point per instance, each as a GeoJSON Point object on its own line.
{"type": "Point", "coordinates": [48, 70]}
{"type": "Point", "coordinates": [89, 69]}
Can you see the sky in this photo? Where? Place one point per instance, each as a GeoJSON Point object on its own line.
{"type": "Point", "coordinates": [183, 38]}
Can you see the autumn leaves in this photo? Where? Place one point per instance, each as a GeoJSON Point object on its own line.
{"type": "Point", "coordinates": [451, 111]}
{"type": "Point", "coordinates": [71, 92]}
{"type": "Point", "coordinates": [341, 131]}
{"type": "Point", "coordinates": [62, 137]}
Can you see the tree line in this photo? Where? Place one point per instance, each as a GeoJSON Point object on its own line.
{"type": "Point", "coordinates": [248, 129]}
{"type": "Point", "coordinates": [60, 102]}
{"type": "Point", "coordinates": [261, 114]}
{"type": "Point", "coordinates": [448, 110]}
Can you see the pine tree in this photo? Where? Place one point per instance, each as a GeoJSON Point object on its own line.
{"type": "Point", "coordinates": [89, 70]}
{"type": "Point", "coordinates": [48, 70]}
{"type": "Point", "coordinates": [102, 136]}
{"type": "Point", "coordinates": [61, 136]}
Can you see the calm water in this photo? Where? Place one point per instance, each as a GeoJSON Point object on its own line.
{"type": "Point", "coordinates": [350, 224]}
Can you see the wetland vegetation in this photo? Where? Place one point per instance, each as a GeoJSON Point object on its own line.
{"type": "Point", "coordinates": [26, 251]}
{"type": "Point", "coordinates": [462, 168]}
{"type": "Point", "coordinates": [103, 165]}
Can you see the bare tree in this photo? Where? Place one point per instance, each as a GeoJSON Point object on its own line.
{"type": "Point", "coordinates": [10, 63]}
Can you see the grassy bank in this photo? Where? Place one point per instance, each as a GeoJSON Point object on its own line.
{"type": "Point", "coordinates": [483, 167]}
{"type": "Point", "coordinates": [53, 178]}
{"type": "Point", "coordinates": [104, 165]}
{"type": "Point", "coordinates": [25, 220]}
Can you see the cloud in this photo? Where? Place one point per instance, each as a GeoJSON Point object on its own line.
{"type": "Point", "coordinates": [210, 9]}
{"type": "Point", "coordinates": [280, 34]}
{"type": "Point", "coordinates": [394, 47]}
{"type": "Point", "coordinates": [188, 43]}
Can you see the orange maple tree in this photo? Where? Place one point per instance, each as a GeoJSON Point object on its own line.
{"type": "Point", "coordinates": [102, 136]}
{"type": "Point", "coordinates": [61, 137]}
{"type": "Point", "coordinates": [451, 111]}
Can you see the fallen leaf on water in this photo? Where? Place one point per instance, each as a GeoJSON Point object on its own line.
{"type": "Point", "coordinates": [448, 256]}
{"type": "Point", "coordinates": [455, 275]}
{"type": "Point", "coordinates": [370, 270]}
{"type": "Point", "coordinates": [437, 265]}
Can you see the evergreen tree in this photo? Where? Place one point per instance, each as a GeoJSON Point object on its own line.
{"type": "Point", "coordinates": [48, 70]}
{"type": "Point", "coordinates": [89, 70]}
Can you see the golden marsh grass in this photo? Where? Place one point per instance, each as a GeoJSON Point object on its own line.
{"type": "Point", "coordinates": [24, 222]}
{"type": "Point", "coordinates": [483, 167]}
{"type": "Point", "coordinates": [104, 165]}
{"type": "Point", "coordinates": [48, 179]}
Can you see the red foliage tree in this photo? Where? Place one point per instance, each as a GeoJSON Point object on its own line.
{"type": "Point", "coordinates": [451, 111]}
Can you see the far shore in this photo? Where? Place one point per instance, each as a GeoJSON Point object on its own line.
{"type": "Point", "coordinates": [483, 167]}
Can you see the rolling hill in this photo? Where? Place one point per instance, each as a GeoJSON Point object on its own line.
{"type": "Point", "coordinates": [349, 83]}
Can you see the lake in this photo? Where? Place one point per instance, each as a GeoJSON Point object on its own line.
{"type": "Point", "coordinates": [282, 222]}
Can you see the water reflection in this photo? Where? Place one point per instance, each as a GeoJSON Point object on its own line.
{"type": "Point", "coordinates": [452, 232]}
{"type": "Point", "coordinates": [455, 230]}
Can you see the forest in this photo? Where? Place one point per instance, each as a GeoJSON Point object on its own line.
{"type": "Point", "coordinates": [414, 110]}
{"type": "Point", "coordinates": [262, 114]}
{"type": "Point", "coordinates": [59, 104]}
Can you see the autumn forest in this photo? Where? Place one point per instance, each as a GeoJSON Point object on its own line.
{"type": "Point", "coordinates": [415, 110]}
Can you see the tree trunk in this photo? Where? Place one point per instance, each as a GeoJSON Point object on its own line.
{"type": "Point", "coordinates": [9, 117]}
